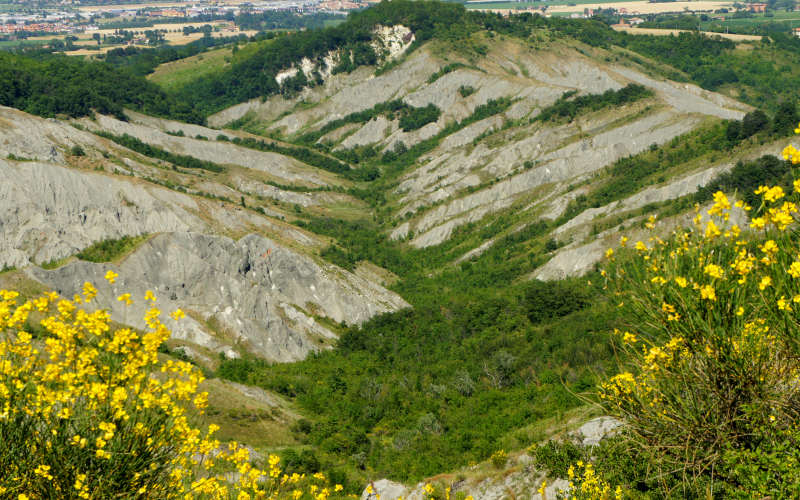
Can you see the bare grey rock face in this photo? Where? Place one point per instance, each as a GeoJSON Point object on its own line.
{"type": "Point", "coordinates": [687, 97]}
{"type": "Point", "coordinates": [371, 132]}
{"type": "Point", "coordinates": [246, 286]}
{"type": "Point", "coordinates": [593, 431]}
{"type": "Point", "coordinates": [571, 161]}
{"type": "Point", "coordinates": [223, 153]}
{"type": "Point", "coordinates": [30, 137]}
{"type": "Point", "coordinates": [49, 212]}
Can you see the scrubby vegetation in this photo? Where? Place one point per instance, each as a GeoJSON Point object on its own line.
{"type": "Point", "coordinates": [403, 395]}
{"type": "Point", "coordinates": [568, 106]}
{"type": "Point", "coordinates": [109, 250]}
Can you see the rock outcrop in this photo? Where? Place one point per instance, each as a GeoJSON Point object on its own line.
{"type": "Point", "coordinates": [262, 297]}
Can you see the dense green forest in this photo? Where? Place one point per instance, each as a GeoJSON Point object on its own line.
{"type": "Point", "coordinates": [59, 85]}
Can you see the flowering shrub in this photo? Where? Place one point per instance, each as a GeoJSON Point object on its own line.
{"type": "Point", "coordinates": [88, 411]}
{"type": "Point", "coordinates": [710, 386]}
{"type": "Point", "coordinates": [586, 484]}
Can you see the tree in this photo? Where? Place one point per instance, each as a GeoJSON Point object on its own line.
{"type": "Point", "coordinates": [754, 122]}
{"type": "Point", "coordinates": [786, 117]}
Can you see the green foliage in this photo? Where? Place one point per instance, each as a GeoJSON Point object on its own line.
{"type": "Point", "coordinates": [466, 90]}
{"type": "Point", "coordinates": [416, 118]}
{"type": "Point", "coordinates": [567, 107]}
{"type": "Point", "coordinates": [772, 470]}
{"type": "Point", "coordinates": [61, 85]}
{"type": "Point", "coordinates": [77, 150]}
{"type": "Point", "coordinates": [746, 177]}
{"type": "Point", "coordinates": [445, 70]}
{"type": "Point", "coordinates": [680, 22]}
{"type": "Point", "coordinates": [403, 394]}
{"type": "Point", "coordinates": [786, 118]}
{"type": "Point", "coordinates": [137, 145]}
{"type": "Point", "coordinates": [54, 264]}
{"type": "Point", "coordinates": [109, 250]}
{"type": "Point", "coordinates": [555, 457]}
{"type": "Point", "coordinates": [545, 300]}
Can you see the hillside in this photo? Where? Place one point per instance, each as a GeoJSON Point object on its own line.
{"type": "Point", "coordinates": [385, 235]}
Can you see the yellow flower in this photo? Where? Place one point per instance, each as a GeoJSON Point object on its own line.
{"type": "Point", "coordinates": [609, 253]}
{"type": "Point", "coordinates": [712, 231]}
{"type": "Point", "coordinates": [714, 271]}
{"type": "Point", "coordinates": [707, 293]}
{"type": "Point", "coordinates": [758, 223]}
{"type": "Point", "coordinates": [721, 205]}
{"type": "Point", "coordinates": [148, 295]}
{"type": "Point", "coordinates": [764, 283]}
{"type": "Point", "coordinates": [770, 194]}
{"type": "Point", "coordinates": [111, 276]}
{"type": "Point", "coordinates": [89, 291]}
{"type": "Point", "coordinates": [177, 314]}
{"type": "Point", "coordinates": [681, 281]}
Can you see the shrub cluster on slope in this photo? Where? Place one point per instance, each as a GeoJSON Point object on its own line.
{"type": "Point", "coordinates": [568, 107]}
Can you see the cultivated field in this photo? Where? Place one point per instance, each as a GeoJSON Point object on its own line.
{"type": "Point", "coordinates": [640, 7]}
{"type": "Point", "coordinates": [173, 36]}
{"type": "Point", "coordinates": [505, 4]}
{"type": "Point", "coordinates": [664, 32]}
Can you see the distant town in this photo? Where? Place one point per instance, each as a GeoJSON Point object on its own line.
{"type": "Point", "coordinates": [73, 17]}
{"type": "Point", "coordinates": [90, 27]}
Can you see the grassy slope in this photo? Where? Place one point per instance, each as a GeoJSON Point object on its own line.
{"type": "Point", "coordinates": [175, 74]}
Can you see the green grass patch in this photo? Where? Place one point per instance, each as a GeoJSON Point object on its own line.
{"type": "Point", "coordinates": [54, 264]}
{"type": "Point", "coordinates": [110, 250]}
{"type": "Point", "coordinates": [175, 74]}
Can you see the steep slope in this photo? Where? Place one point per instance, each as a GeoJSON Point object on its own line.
{"type": "Point", "coordinates": [487, 152]}
{"type": "Point", "coordinates": [67, 189]}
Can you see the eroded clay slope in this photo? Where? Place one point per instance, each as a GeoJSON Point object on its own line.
{"type": "Point", "coordinates": [262, 297]}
